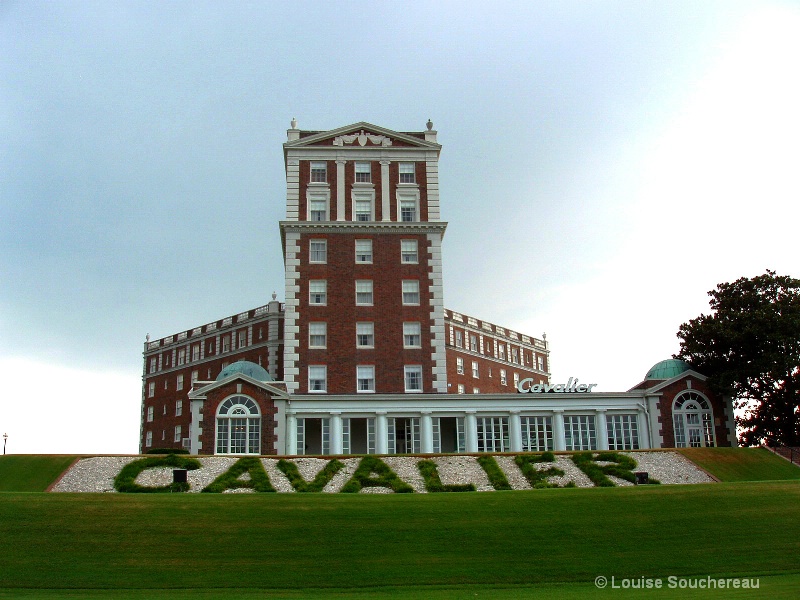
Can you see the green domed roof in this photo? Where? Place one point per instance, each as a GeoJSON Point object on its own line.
{"type": "Point", "coordinates": [667, 369]}
{"type": "Point", "coordinates": [245, 367]}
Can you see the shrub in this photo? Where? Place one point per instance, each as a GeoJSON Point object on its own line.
{"type": "Point", "coordinates": [623, 469]}
{"type": "Point", "coordinates": [125, 481]}
{"type": "Point", "coordinates": [167, 451]}
{"type": "Point", "coordinates": [537, 478]}
{"type": "Point", "coordinates": [433, 483]}
{"type": "Point", "coordinates": [385, 477]}
{"type": "Point", "coordinates": [496, 476]}
{"type": "Point", "coordinates": [320, 481]}
{"type": "Point", "coordinates": [230, 479]}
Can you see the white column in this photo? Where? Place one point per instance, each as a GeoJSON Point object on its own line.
{"type": "Point", "coordinates": [336, 433]}
{"type": "Point", "coordinates": [426, 433]}
{"type": "Point", "coordinates": [558, 430]}
{"type": "Point", "coordinates": [602, 429]}
{"type": "Point", "coordinates": [471, 431]}
{"type": "Point", "coordinates": [340, 200]}
{"type": "Point", "coordinates": [515, 431]}
{"type": "Point", "coordinates": [291, 433]}
{"type": "Point", "coordinates": [644, 429]}
{"type": "Point", "coordinates": [385, 204]}
{"type": "Point", "coordinates": [381, 433]}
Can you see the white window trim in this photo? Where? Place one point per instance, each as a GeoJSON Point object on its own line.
{"type": "Point", "coordinates": [371, 292]}
{"type": "Point", "coordinates": [415, 369]}
{"type": "Point", "coordinates": [371, 257]}
{"type": "Point", "coordinates": [417, 333]}
{"type": "Point", "coordinates": [324, 389]}
{"type": "Point", "coordinates": [408, 194]}
{"type": "Point", "coordinates": [363, 194]}
{"type": "Point", "coordinates": [325, 302]}
{"type": "Point", "coordinates": [324, 334]}
{"type": "Point", "coordinates": [418, 292]}
{"type": "Point", "coordinates": [416, 253]}
{"type": "Point", "coordinates": [311, 260]}
{"type": "Point", "coordinates": [372, 334]}
{"type": "Point", "coordinates": [358, 379]}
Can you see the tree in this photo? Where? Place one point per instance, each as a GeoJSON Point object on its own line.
{"type": "Point", "coordinates": [749, 346]}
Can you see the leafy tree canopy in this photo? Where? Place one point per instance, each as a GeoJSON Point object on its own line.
{"type": "Point", "coordinates": [749, 346]}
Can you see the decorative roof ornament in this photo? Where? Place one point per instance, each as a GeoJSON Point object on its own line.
{"type": "Point", "coordinates": [294, 123]}
{"type": "Point", "coordinates": [429, 125]}
{"type": "Point", "coordinates": [362, 138]}
{"type": "Point", "coordinates": [274, 296]}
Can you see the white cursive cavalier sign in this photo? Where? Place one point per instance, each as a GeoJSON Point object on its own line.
{"type": "Point", "coordinates": [526, 386]}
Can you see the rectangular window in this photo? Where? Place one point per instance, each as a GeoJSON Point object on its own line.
{"type": "Point", "coordinates": [473, 343]}
{"type": "Point", "coordinates": [503, 379]}
{"type": "Point", "coordinates": [412, 335]}
{"type": "Point", "coordinates": [366, 378]}
{"type": "Point", "coordinates": [407, 172]}
{"type": "Point", "coordinates": [502, 351]}
{"type": "Point", "coordinates": [514, 355]}
{"type": "Point", "coordinates": [476, 390]}
{"type": "Point", "coordinates": [579, 432]}
{"type": "Point", "coordinates": [474, 369]}
{"type": "Point", "coordinates": [410, 292]}
{"type": "Point", "coordinates": [317, 210]}
{"type": "Point", "coordinates": [151, 389]}
{"type": "Point", "coordinates": [179, 382]}
{"type": "Point", "coordinates": [153, 363]}
{"type": "Point", "coordinates": [177, 437]}
{"type": "Point", "coordinates": [318, 292]}
{"type": "Point", "coordinates": [148, 439]}
{"type": "Point", "coordinates": [195, 375]}
{"type": "Point", "coordinates": [365, 335]}
{"type": "Point", "coordinates": [413, 377]}
{"type": "Point", "coordinates": [226, 343]}
{"type": "Point", "coordinates": [541, 363]}
{"type": "Point", "coordinates": [319, 172]}
{"type": "Point", "coordinates": [317, 335]}
{"type": "Point", "coordinates": [178, 408]}
{"type": "Point", "coordinates": [408, 252]}
{"type": "Point", "coordinates": [181, 356]}
{"type": "Point", "coordinates": [363, 172]}
{"type": "Point", "coordinates": [623, 432]}
{"type": "Point", "coordinates": [363, 210]}
{"type": "Point", "coordinates": [459, 365]}
{"type": "Point", "coordinates": [242, 339]}
{"type": "Point", "coordinates": [459, 338]}
{"type": "Point", "coordinates": [196, 352]}
{"type": "Point", "coordinates": [317, 378]}
{"type": "Point", "coordinates": [493, 434]}
{"type": "Point", "coordinates": [364, 251]}
{"type": "Point", "coordinates": [516, 380]}
{"type": "Point", "coordinates": [150, 414]}
{"type": "Point", "coordinates": [318, 251]}
{"type": "Point", "coordinates": [408, 210]}
{"type": "Point", "coordinates": [364, 293]}
{"type": "Point", "coordinates": [460, 388]}
{"type": "Point", "coordinates": [537, 434]}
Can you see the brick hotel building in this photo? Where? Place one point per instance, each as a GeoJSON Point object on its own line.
{"type": "Point", "coordinates": [363, 357]}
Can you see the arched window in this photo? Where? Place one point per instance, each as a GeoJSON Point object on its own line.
{"type": "Point", "coordinates": [694, 421]}
{"type": "Point", "coordinates": [238, 426]}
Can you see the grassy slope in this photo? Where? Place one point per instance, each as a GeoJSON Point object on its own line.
{"type": "Point", "coordinates": [31, 472]}
{"type": "Point", "coordinates": [366, 541]}
{"type": "Point", "coordinates": [742, 464]}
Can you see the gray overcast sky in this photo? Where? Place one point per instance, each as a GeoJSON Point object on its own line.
{"type": "Point", "coordinates": [604, 165]}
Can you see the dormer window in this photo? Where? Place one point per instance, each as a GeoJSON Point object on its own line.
{"type": "Point", "coordinates": [319, 172]}
{"type": "Point", "coordinates": [407, 172]}
{"type": "Point", "coordinates": [363, 172]}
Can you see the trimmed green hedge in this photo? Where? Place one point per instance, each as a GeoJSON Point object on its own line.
{"type": "Point", "coordinates": [320, 481]}
{"type": "Point", "coordinates": [373, 472]}
{"type": "Point", "coordinates": [230, 479]}
{"type": "Point", "coordinates": [537, 478]}
{"type": "Point", "coordinates": [496, 476]}
{"type": "Point", "coordinates": [125, 481]}
{"type": "Point", "coordinates": [587, 462]}
{"type": "Point", "coordinates": [167, 451]}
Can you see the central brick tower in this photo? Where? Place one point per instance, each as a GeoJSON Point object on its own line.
{"type": "Point", "coordinates": [362, 246]}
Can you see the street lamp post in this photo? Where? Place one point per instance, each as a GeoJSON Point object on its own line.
{"type": "Point", "coordinates": [5, 439]}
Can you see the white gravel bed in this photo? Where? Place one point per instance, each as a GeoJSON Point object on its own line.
{"type": "Point", "coordinates": [93, 474]}
{"type": "Point", "coordinates": [669, 467]}
{"type": "Point", "coordinates": [97, 474]}
{"type": "Point", "coordinates": [460, 470]}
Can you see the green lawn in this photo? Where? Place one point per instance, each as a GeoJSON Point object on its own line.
{"type": "Point", "coordinates": [742, 464]}
{"type": "Point", "coordinates": [31, 472]}
{"type": "Point", "coordinates": [549, 543]}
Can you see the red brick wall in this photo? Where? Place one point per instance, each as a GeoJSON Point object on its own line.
{"type": "Point", "coordinates": [488, 381]}
{"type": "Point", "coordinates": [265, 404]}
{"type": "Point", "coordinates": [341, 313]}
{"type": "Point", "coordinates": [669, 393]}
